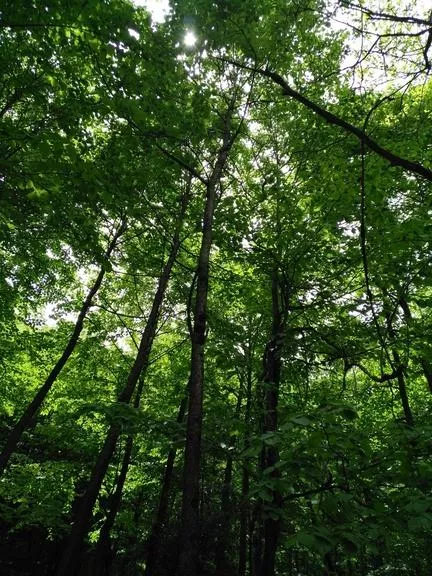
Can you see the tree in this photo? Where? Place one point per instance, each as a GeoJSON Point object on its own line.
{"type": "Point", "coordinates": [266, 309]}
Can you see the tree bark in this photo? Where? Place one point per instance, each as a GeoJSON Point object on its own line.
{"type": "Point", "coordinates": [271, 380]}
{"type": "Point", "coordinates": [409, 419]}
{"type": "Point", "coordinates": [72, 553]}
{"type": "Point", "coordinates": [398, 366]}
{"type": "Point", "coordinates": [257, 539]}
{"type": "Point", "coordinates": [189, 532]}
{"type": "Point", "coordinates": [103, 548]}
{"type": "Point", "coordinates": [244, 509]}
{"type": "Point", "coordinates": [244, 523]}
{"type": "Point", "coordinates": [34, 406]}
{"type": "Point", "coordinates": [222, 562]}
{"type": "Point", "coordinates": [154, 539]}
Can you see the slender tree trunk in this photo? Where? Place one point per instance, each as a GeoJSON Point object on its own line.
{"type": "Point", "coordinates": [257, 539]}
{"type": "Point", "coordinates": [34, 406]}
{"type": "Point", "coordinates": [409, 419]}
{"type": "Point", "coordinates": [222, 562]}
{"type": "Point", "coordinates": [159, 520]}
{"type": "Point", "coordinates": [103, 548]}
{"type": "Point", "coordinates": [103, 551]}
{"type": "Point", "coordinates": [271, 380]}
{"type": "Point", "coordinates": [244, 509]}
{"type": "Point", "coordinates": [72, 553]}
{"type": "Point", "coordinates": [189, 532]}
{"type": "Point", "coordinates": [244, 524]}
{"type": "Point", "coordinates": [257, 522]}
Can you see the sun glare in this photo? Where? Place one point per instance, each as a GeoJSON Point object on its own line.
{"type": "Point", "coordinates": [189, 38]}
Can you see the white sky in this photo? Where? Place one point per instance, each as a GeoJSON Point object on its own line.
{"type": "Point", "coordinates": [157, 8]}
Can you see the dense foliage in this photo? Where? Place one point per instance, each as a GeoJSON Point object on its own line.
{"type": "Point", "coordinates": [216, 288]}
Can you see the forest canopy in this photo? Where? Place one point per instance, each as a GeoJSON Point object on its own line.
{"type": "Point", "coordinates": [216, 288]}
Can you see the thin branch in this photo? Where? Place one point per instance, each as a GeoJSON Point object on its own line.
{"type": "Point", "coordinates": [181, 163]}
{"type": "Point", "coordinates": [380, 379]}
{"type": "Point", "coordinates": [385, 15]}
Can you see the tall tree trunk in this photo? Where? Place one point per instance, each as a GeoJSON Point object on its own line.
{"type": "Point", "coordinates": [271, 380]}
{"type": "Point", "coordinates": [189, 532]}
{"type": "Point", "coordinates": [159, 520]}
{"type": "Point", "coordinates": [244, 523]}
{"type": "Point", "coordinates": [72, 553]}
{"type": "Point", "coordinates": [244, 508]}
{"type": "Point", "coordinates": [103, 548]}
{"type": "Point", "coordinates": [222, 562]}
{"type": "Point", "coordinates": [34, 406]}
{"type": "Point", "coordinates": [257, 522]}
{"type": "Point", "coordinates": [257, 539]}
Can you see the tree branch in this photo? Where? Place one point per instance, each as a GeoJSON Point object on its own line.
{"type": "Point", "coordinates": [393, 159]}
{"type": "Point", "coordinates": [386, 16]}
